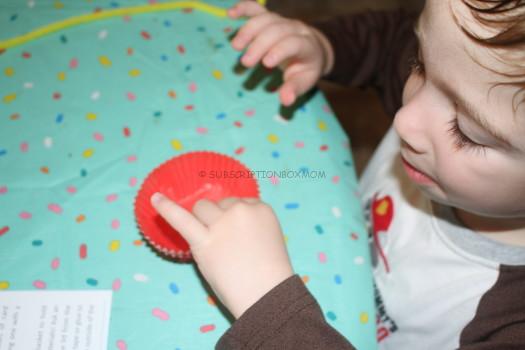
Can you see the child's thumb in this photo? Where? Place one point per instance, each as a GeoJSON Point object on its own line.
{"type": "Point", "coordinates": [180, 219]}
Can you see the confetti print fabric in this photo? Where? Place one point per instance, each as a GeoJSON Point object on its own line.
{"type": "Point", "coordinates": [87, 113]}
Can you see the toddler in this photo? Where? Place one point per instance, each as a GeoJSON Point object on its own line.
{"type": "Point", "coordinates": [444, 194]}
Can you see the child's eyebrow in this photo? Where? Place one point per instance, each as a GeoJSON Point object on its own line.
{"type": "Point", "coordinates": [476, 116]}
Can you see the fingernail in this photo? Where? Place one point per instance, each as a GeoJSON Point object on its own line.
{"type": "Point", "coordinates": [288, 100]}
{"type": "Point", "coordinates": [246, 59]}
{"type": "Point", "coordinates": [237, 43]}
{"type": "Point", "coordinates": [157, 198]}
{"type": "Point", "coordinates": [269, 60]}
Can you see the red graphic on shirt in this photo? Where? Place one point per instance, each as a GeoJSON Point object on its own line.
{"type": "Point", "coordinates": [382, 213]}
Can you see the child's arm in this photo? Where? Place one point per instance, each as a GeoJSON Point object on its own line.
{"type": "Point", "coordinates": [373, 49]}
{"type": "Point", "coordinates": [288, 317]}
{"type": "Point", "coordinates": [239, 248]}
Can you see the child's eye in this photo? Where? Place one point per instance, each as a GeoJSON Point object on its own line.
{"type": "Point", "coordinates": [461, 140]}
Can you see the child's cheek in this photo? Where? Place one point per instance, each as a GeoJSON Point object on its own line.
{"type": "Point", "coordinates": [462, 179]}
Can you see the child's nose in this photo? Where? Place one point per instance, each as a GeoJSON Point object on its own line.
{"type": "Point", "coordinates": [410, 123]}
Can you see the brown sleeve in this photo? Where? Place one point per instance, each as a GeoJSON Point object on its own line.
{"type": "Point", "coordinates": [287, 317]}
{"type": "Point", "coordinates": [499, 322]}
{"type": "Point", "coordinates": [373, 49]}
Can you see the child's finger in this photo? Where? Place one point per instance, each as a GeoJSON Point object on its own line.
{"type": "Point", "coordinates": [226, 203]}
{"type": "Point", "coordinates": [180, 219]}
{"type": "Point", "coordinates": [287, 48]}
{"type": "Point", "coordinates": [246, 9]}
{"type": "Point", "coordinates": [262, 43]}
{"type": "Point", "coordinates": [207, 211]}
{"type": "Point", "coordinates": [252, 28]}
{"type": "Point", "coordinates": [287, 95]}
{"type": "Point", "coordinates": [295, 84]}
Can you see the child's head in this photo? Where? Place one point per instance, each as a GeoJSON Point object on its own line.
{"type": "Point", "coordinates": [463, 119]}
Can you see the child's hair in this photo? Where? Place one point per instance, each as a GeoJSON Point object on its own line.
{"type": "Point", "coordinates": [507, 18]}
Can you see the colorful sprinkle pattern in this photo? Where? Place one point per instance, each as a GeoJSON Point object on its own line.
{"type": "Point", "coordinates": [85, 114]}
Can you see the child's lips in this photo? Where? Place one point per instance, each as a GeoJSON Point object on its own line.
{"type": "Point", "coordinates": [416, 175]}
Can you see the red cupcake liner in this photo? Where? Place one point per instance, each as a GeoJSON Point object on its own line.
{"type": "Point", "coordinates": [185, 179]}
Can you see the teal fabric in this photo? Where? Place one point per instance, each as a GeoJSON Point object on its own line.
{"type": "Point", "coordinates": [79, 135]}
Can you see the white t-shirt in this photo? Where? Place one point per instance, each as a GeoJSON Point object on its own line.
{"type": "Point", "coordinates": [438, 284]}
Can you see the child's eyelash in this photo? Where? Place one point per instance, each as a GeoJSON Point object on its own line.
{"type": "Point", "coordinates": [461, 141]}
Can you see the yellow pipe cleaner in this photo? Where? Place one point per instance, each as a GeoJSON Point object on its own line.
{"type": "Point", "coordinates": [91, 17]}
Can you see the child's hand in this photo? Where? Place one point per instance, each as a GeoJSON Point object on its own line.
{"type": "Point", "coordinates": [237, 244]}
{"type": "Point", "coordinates": [301, 51]}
